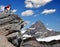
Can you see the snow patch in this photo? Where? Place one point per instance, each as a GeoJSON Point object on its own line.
{"type": "Point", "coordinates": [26, 36]}
{"type": "Point", "coordinates": [48, 39]}
{"type": "Point", "coordinates": [49, 29]}
{"type": "Point", "coordinates": [23, 31]}
{"type": "Point", "coordinates": [31, 28]}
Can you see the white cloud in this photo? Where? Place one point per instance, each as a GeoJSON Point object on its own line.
{"type": "Point", "coordinates": [48, 11]}
{"type": "Point", "coordinates": [29, 5]}
{"type": "Point", "coordinates": [36, 3]}
{"type": "Point", "coordinates": [14, 10]}
{"type": "Point", "coordinates": [2, 8]}
{"type": "Point", "coordinates": [27, 13]}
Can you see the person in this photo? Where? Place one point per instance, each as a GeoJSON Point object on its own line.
{"type": "Point", "coordinates": [7, 8]}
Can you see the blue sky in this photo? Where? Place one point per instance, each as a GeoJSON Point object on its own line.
{"type": "Point", "coordinates": [47, 11]}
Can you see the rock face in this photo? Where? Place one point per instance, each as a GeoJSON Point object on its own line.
{"type": "Point", "coordinates": [9, 22]}
{"type": "Point", "coordinates": [31, 42]}
{"type": "Point", "coordinates": [40, 30]}
{"type": "Point", "coordinates": [4, 42]}
{"type": "Point", "coordinates": [54, 43]}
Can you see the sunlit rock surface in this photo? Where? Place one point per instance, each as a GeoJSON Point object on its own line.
{"type": "Point", "coordinates": [4, 42]}
{"type": "Point", "coordinates": [9, 22]}
{"type": "Point", "coordinates": [10, 26]}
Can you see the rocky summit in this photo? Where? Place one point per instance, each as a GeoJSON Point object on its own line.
{"type": "Point", "coordinates": [10, 26]}
{"type": "Point", "coordinates": [40, 36]}
{"type": "Point", "coordinates": [9, 22]}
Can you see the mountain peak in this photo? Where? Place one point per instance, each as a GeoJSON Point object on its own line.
{"type": "Point", "coordinates": [40, 30]}
{"type": "Point", "coordinates": [38, 24]}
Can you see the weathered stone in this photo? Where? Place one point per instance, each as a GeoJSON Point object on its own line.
{"type": "Point", "coordinates": [31, 42]}
{"type": "Point", "coordinates": [4, 42]}
{"type": "Point", "coordinates": [9, 22]}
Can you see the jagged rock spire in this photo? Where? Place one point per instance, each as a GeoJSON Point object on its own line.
{"type": "Point", "coordinates": [38, 25]}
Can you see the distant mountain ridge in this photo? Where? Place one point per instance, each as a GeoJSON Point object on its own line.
{"type": "Point", "coordinates": [41, 31]}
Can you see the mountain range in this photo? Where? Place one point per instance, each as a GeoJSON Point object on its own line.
{"type": "Point", "coordinates": [40, 31]}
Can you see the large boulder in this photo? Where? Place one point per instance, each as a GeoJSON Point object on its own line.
{"type": "Point", "coordinates": [4, 42]}
{"type": "Point", "coordinates": [30, 42]}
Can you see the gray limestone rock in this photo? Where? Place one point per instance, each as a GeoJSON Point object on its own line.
{"type": "Point", "coordinates": [9, 22]}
